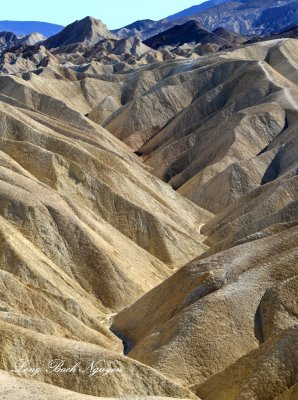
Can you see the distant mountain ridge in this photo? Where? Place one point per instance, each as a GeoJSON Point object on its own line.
{"type": "Point", "coordinates": [245, 17]}
{"type": "Point", "coordinates": [22, 28]}
{"type": "Point", "coordinates": [195, 9]}
{"type": "Point", "coordinates": [193, 32]}
{"type": "Point", "coordinates": [144, 29]}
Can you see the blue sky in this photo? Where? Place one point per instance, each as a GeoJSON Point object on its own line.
{"type": "Point", "coordinates": [115, 13]}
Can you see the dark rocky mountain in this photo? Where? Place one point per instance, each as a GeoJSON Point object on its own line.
{"type": "Point", "coordinates": [229, 36]}
{"type": "Point", "coordinates": [276, 18]}
{"type": "Point", "coordinates": [193, 32]}
{"type": "Point", "coordinates": [248, 16]}
{"type": "Point", "coordinates": [243, 16]}
{"type": "Point", "coordinates": [88, 30]}
{"type": "Point", "coordinates": [196, 9]}
{"type": "Point", "coordinates": [21, 28]}
{"type": "Point", "coordinates": [289, 33]}
{"type": "Point", "coordinates": [147, 28]}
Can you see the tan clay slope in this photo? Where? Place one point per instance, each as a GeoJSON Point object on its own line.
{"type": "Point", "coordinates": [218, 309]}
{"type": "Point", "coordinates": [13, 388]}
{"type": "Point", "coordinates": [266, 210]}
{"type": "Point", "coordinates": [173, 86]}
{"type": "Point", "coordinates": [84, 159]}
{"type": "Point", "coordinates": [85, 230]}
{"type": "Point", "coordinates": [42, 350]}
{"type": "Point", "coordinates": [228, 319]}
{"type": "Point", "coordinates": [207, 124]}
{"type": "Point", "coordinates": [87, 233]}
{"type": "Point", "coordinates": [260, 374]}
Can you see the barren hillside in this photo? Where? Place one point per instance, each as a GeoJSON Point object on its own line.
{"type": "Point", "coordinates": [148, 219]}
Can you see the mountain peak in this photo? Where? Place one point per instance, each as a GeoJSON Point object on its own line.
{"type": "Point", "coordinates": [33, 38]}
{"type": "Point", "coordinates": [91, 20]}
{"type": "Point", "coordinates": [189, 32]}
{"type": "Point", "coordinates": [88, 30]}
{"type": "Point", "coordinates": [193, 24]}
